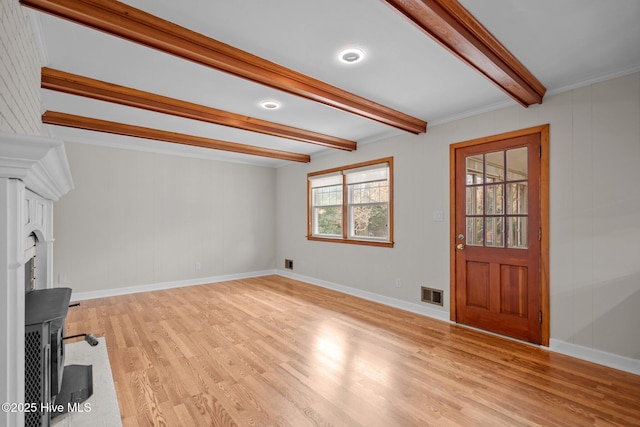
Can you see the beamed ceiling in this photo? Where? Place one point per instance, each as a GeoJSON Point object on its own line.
{"type": "Point", "coordinates": [188, 77]}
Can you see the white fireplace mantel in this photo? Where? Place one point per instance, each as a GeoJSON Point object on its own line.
{"type": "Point", "coordinates": [34, 173]}
{"type": "Point", "coordinates": [41, 163]}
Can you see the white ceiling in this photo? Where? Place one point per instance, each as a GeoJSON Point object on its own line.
{"type": "Point", "coordinates": [564, 43]}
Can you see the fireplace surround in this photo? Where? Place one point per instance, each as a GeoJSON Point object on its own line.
{"type": "Point", "coordinates": [34, 173]}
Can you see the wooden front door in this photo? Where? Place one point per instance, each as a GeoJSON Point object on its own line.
{"type": "Point", "coordinates": [497, 235]}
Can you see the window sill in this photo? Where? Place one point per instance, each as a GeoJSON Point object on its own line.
{"type": "Point", "coordinates": [352, 241]}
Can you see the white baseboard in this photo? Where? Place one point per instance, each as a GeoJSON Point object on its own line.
{"type": "Point", "coordinates": [393, 302]}
{"type": "Point", "coordinates": [611, 360]}
{"type": "Point", "coordinates": [558, 346]}
{"type": "Point", "coordinates": [81, 296]}
{"type": "Point", "coordinates": [585, 353]}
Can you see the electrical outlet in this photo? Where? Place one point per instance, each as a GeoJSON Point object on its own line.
{"type": "Point", "coordinates": [398, 283]}
{"type": "Point", "coordinates": [197, 266]}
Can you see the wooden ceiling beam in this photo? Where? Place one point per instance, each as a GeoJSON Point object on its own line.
{"type": "Point", "coordinates": [62, 81]}
{"type": "Point", "coordinates": [79, 122]}
{"type": "Point", "coordinates": [451, 25]}
{"type": "Point", "coordinates": [135, 25]}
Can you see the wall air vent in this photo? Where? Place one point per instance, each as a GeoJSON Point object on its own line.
{"type": "Point", "coordinates": [432, 296]}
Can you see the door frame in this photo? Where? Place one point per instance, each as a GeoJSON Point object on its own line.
{"type": "Point", "coordinates": [543, 131]}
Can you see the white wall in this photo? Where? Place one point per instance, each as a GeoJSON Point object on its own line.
{"type": "Point", "coordinates": [19, 72]}
{"type": "Point", "coordinates": [137, 218]}
{"type": "Point", "coordinates": [156, 230]}
{"type": "Point", "coordinates": [594, 214]}
{"type": "Point", "coordinates": [19, 113]}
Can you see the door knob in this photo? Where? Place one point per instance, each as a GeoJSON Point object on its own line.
{"type": "Point", "coordinates": [459, 246]}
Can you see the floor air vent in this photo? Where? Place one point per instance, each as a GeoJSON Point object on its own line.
{"type": "Point", "coordinates": [432, 296]}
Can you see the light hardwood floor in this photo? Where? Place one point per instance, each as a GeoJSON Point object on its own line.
{"type": "Point", "coordinates": [274, 351]}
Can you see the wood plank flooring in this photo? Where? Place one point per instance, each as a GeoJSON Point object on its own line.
{"type": "Point", "coordinates": [272, 351]}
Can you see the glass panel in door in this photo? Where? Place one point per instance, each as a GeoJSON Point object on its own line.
{"type": "Point", "coordinates": [497, 199]}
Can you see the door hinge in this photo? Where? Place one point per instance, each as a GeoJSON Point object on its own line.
{"type": "Point", "coordinates": [539, 234]}
{"type": "Point", "coordinates": [540, 151]}
{"type": "Point", "coordinates": [540, 317]}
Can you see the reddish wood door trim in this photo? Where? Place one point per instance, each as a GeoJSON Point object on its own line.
{"type": "Point", "coordinates": [543, 131]}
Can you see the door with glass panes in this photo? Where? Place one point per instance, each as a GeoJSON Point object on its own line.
{"type": "Point", "coordinates": [497, 236]}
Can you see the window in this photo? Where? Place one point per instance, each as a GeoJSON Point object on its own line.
{"type": "Point", "coordinates": [497, 199]}
{"type": "Point", "coordinates": [352, 204]}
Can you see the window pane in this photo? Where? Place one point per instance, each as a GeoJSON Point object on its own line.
{"type": "Point", "coordinates": [475, 169]}
{"type": "Point", "coordinates": [494, 166]}
{"type": "Point", "coordinates": [475, 201]}
{"type": "Point", "coordinates": [517, 234]}
{"type": "Point", "coordinates": [327, 221]}
{"type": "Point", "coordinates": [495, 200]}
{"type": "Point", "coordinates": [517, 164]}
{"type": "Point", "coordinates": [495, 232]}
{"type": "Point", "coordinates": [369, 221]}
{"type": "Point", "coordinates": [517, 198]}
{"type": "Point", "coordinates": [327, 196]}
{"type": "Point", "coordinates": [369, 192]}
{"type": "Point", "coordinates": [475, 234]}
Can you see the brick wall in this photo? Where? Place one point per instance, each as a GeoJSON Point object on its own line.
{"type": "Point", "coordinates": [19, 72]}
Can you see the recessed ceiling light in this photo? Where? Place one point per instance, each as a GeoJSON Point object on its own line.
{"type": "Point", "coordinates": [351, 56]}
{"type": "Point", "coordinates": [270, 104]}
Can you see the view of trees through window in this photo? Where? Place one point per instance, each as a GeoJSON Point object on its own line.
{"type": "Point", "coordinates": [353, 203]}
{"type": "Point", "coordinates": [329, 221]}
{"type": "Point", "coordinates": [369, 209]}
{"type": "Point", "coordinates": [327, 202]}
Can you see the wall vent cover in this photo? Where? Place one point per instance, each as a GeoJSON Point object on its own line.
{"type": "Point", "coordinates": [432, 296]}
